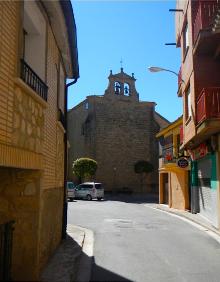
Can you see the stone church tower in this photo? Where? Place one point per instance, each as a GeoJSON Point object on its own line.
{"type": "Point", "coordinates": [116, 130]}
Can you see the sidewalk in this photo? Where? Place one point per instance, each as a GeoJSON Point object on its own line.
{"type": "Point", "coordinates": [73, 258]}
{"type": "Point", "coordinates": [195, 218]}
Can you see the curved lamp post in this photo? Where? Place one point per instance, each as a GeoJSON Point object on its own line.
{"type": "Point", "coordinates": [158, 69]}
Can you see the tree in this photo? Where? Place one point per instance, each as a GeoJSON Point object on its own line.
{"type": "Point", "coordinates": [84, 167]}
{"type": "Point", "coordinates": [143, 168]}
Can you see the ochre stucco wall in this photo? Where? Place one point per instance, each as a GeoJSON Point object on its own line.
{"type": "Point", "coordinates": [179, 190]}
{"type": "Point", "coordinates": [178, 186]}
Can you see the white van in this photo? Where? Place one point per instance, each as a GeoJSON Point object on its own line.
{"type": "Point", "coordinates": [89, 191]}
{"type": "Point", "coordinates": [70, 190]}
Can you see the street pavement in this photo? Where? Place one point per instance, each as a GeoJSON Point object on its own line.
{"type": "Point", "coordinates": [135, 242]}
{"type": "Point", "coordinates": [64, 263]}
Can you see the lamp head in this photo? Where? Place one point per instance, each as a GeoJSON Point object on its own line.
{"type": "Point", "coordinates": [155, 69]}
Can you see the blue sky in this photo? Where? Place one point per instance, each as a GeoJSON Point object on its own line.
{"type": "Point", "coordinates": [135, 31]}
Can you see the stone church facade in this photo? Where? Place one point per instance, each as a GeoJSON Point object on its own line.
{"type": "Point", "coordinates": [116, 130]}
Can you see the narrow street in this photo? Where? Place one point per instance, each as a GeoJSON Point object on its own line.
{"type": "Point", "coordinates": [134, 242]}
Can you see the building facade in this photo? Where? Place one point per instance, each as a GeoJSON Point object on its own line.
{"type": "Point", "coordinates": [198, 35]}
{"type": "Point", "coordinates": [174, 168]}
{"type": "Point", "coordinates": [116, 130]}
{"type": "Point", "coordinates": [37, 53]}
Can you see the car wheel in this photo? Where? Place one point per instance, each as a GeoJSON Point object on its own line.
{"type": "Point", "coordinates": [89, 197]}
{"type": "Point", "coordinates": [99, 199]}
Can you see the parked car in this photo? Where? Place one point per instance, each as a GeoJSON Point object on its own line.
{"type": "Point", "coordinates": [70, 190]}
{"type": "Point", "coordinates": [89, 191]}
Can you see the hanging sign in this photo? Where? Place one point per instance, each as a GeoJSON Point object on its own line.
{"type": "Point", "coordinates": [182, 162]}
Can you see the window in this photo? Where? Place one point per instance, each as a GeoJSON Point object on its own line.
{"type": "Point", "coordinates": [70, 186]}
{"type": "Point", "coordinates": [126, 89]}
{"type": "Point", "coordinates": [86, 105]}
{"type": "Point", "coordinates": [117, 88]}
{"type": "Point", "coordinates": [185, 39]}
{"type": "Point", "coordinates": [34, 38]}
{"type": "Point", "coordinates": [98, 186]}
{"type": "Point", "coordinates": [86, 186]}
{"type": "Point", "coordinates": [188, 111]}
{"type": "Point", "coordinates": [33, 61]}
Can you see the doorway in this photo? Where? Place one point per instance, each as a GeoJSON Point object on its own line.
{"type": "Point", "coordinates": [165, 188]}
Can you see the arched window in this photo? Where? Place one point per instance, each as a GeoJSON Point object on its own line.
{"type": "Point", "coordinates": [126, 89]}
{"type": "Point", "coordinates": [117, 88]}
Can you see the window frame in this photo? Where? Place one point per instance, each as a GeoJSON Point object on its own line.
{"type": "Point", "coordinates": [188, 103]}
{"type": "Point", "coordinates": [185, 39]}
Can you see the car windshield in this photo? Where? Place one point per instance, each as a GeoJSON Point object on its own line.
{"type": "Point", "coordinates": [87, 186]}
{"type": "Point", "coordinates": [70, 186]}
{"type": "Point", "coordinates": [98, 186]}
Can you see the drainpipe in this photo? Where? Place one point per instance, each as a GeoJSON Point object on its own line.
{"type": "Point", "coordinates": [65, 204]}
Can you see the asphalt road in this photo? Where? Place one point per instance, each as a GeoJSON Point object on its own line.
{"type": "Point", "coordinates": [134, 242]}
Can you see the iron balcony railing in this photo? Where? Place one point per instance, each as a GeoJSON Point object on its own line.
{"type": "Point", "coordinates": [6, 236]}
{"type": "Point", "coordinates": [167, 154]}
{"type": "Point", "coordinates": [208, 104]}
{"type": "Point", "coordinates": [33, 80]}
{"type": "Point", "coordinates": [203, 15]}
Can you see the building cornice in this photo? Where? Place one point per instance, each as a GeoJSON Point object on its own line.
{"type": "Point", "coordinates": [62, 22]}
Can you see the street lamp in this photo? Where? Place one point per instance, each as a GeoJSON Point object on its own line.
{"type": "Point", "coordinates": [158, 69]}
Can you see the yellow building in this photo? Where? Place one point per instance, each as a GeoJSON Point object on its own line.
{"type": "Point", "coordinates": [37, 53]}
{"type": "Point", "coordinates": [173, 168]}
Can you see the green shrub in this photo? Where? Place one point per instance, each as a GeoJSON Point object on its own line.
{"type": "Point", "coordinates": [143, 168]}
{"type": "Point", "coordinates": [84, 167]}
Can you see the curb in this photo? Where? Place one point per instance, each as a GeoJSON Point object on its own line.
{"type": "Point", "coordinates": [210, 231]}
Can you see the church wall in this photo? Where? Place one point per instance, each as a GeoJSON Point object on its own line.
{"type": "Point", "coordinates": [117, 131]}
{"type": "Point", "coordinates": [124, 134]}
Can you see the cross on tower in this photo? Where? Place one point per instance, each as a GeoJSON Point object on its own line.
{"type": "Point", "coordinates": [121, 62]}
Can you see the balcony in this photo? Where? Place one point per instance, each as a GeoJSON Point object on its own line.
{"type": "Point", "coordinates": [203, 18]}
{"type": "Point", "coordinates": [167, 154]}
{"type": "Point", "coordinates": [204, 14]}
{"type": "Point", "coordinates": [33, 80]}
{"type": "Point", "coordinates": [208, 104]}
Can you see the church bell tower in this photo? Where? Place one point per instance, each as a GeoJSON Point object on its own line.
{"type": "Point", "coordinates": [122, 85]}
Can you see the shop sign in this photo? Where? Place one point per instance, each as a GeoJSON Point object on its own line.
{"type": "Point", "coordinates": [199, 152]}
{"type": "Point", "coordinates": [182, 162]}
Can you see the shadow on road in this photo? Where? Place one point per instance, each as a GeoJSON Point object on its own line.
{"type": "Point", "coordinates": [89, 271]}
{"type": "Point", "coordinates": [132, 198]}
{"type": "Point", "coordinates": [101, 274]}
{"type": "Point", "coordinates": [127, 198]}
